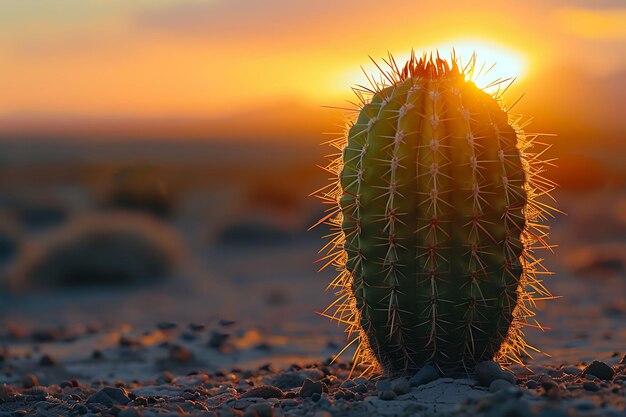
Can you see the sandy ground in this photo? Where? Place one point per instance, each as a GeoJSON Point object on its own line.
{"type": "Point", "coordinates": [241, 315]}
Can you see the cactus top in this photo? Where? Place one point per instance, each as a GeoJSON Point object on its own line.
{"type": "Point", "coordinates": [436, 217]}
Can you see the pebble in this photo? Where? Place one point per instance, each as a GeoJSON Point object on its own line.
{"type": "Point", "coordinates": [110, 396]}
{"type": "Point", "coordinates": [584, 405]}
{"type": "Point", "coordinates": [400, 386]}
{"type": "Point", "coordinates": [425, 375]}
{"type": "Point", "coordinates": [30, 381]}
{"type": "Point", "coordinates": [600, 370]}
{"type": "Point", "coordinates": [489, 371]}
{"type": "Point", "coordinates": [196, 327]}
{"type": "Point", "coordinates": [383, 385]}
{"type": "Point", "coordinates": [548, 384]}
{"type": "Point", "coordinates": [348, 384]}
{"type": "Point", "coordinates": [387, 395]}
{"type": "Point", "coordinates": [180, 353]}
{"type": "Point", "coordinates": [166, 325]}
{"type": "Point", "coordinates": [47, 360]}
{"type": "Point", "coordinates": [130, 412]}
{"type": "Point", "coordinates": [265, 391]}
{"type": "Point", "coordinates": [591, 386]}
{"type": "Point", "coordinates": [259, 410]}
{"type": "Point", "coordinates": [499, 385]}
{"type": "Point", "coordinates": [310, 387]}
{"type": "Point", "coordinates": [165, 377]}
{"type": "Point", "coordinates": [507, 376]}
{"type": "Point", "coordinates": [217, 340]}
{"type": "Point", "coordinates": [7, 392]}
{"type": "Point", "coordinates": [570, 370]}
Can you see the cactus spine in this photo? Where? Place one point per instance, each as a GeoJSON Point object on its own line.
{"type": "Point", "coordinates": [436, 211]}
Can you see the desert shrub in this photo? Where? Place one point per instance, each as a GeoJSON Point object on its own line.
{"type": "Point", "coordinates": [10, 236]}
{"type": "Point", "coordinates": [253, 233]}
{"type": "Point", "coordinates": [140, 188]}
{"type": "Point", "coordinates": [99, 250]}
{"type": "Point", "coordinates": [8, 246]}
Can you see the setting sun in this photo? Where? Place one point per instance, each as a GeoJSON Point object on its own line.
{"type": "Point", "coordinates": [493, 62]}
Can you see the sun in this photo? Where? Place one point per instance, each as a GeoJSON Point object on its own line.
{"type": "Point", "coordinates": [493, 62]}
{"type": "Point", "coordinates": [497, 62]}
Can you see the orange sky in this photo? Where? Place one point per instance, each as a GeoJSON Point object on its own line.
{"type": "Point", "coordinates": [94, 63]}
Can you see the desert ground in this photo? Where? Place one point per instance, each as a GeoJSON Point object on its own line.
{"type": "Point", "coordinates": [215, 310]}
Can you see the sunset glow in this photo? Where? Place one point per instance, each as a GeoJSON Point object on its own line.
{"type": "Point", "coordinates": [99, 63]}
{"type": "Point", "coordinates": [493, 63]}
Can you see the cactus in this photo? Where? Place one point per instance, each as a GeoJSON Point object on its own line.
{"type": "Point", "coordinates": [436, 199]}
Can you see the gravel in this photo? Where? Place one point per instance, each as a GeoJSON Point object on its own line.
{"type": "Point", "coordinates": [425, 375]}
{"type": "Point", "coordinates": [600, 370]}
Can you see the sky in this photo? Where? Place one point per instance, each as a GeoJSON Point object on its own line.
{"type": "Point", "coordinates": [116, 66]}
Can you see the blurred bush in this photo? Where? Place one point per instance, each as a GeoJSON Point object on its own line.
{"type": "Point", "coordinates": [8, 246]}
{"type": "Point", "coordinates": [97, 250]}
{"type": "Point", "coordinates": [251, 232]}
{"type": "Point", "coordinates": [34, 210]}
{"type": "Point", "coordinates": [141, 188]}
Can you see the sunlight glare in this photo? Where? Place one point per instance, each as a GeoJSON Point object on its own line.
{"type": "Point", "coordinates": [493, 62]}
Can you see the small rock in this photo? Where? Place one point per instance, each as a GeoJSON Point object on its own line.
{"type": "Point", "coordinates": [110, 396]}
{"type": "Point", "coordinates": [7, 392]}
{"type": "Point", "coordinates": [47, 360]}
{"type": "Point", "coordinates": [499, 385]}
{"type": "Point", "coordinates": [217, 340]}
{"type": "Point", "coordinates": [584, 405]}
{"type": "Point", "coordinates": [259, 410]}
{"type": "Point", "coordinates": [507, 376]}
{"type": "Point", "coordinates": [359, 388]}
{"type": "Point", "coordinates": [361, 380]}
{"type": "Point", "coordinates": [570, 370]}
{"type": "Point", "coordinates": [400, 386]}
{"type": "Point", "coordinates": [348, 384]}
{"type": "Point", "coordinates": [30, 381]}
{"type": "Point", "coordinates": [310, 387]}
{"type": "Point", "coordinates": [287, 380]}
{"type": "Point", "coordinates": [130, 412]}
{"type": "Point", "coordinates": [180, 353]}
{"type": "Point", "coordinates": [600, 370]}
{"type": "Point", "coordinates": [324, 402]}
{"type": "Point", "coordinates": [166, 326]}
{"type": "Point", "coordinates": [548, 384]}
{"type": "Point", "coordinates": [165, 377]}
{"type": "Point", "coordinates": [425, 375]}
{"type": "Point", "coordinates": [383, 385]}
{"type": "Point", "coordinates": [265, 391]}
{"type": "Point", "coordinates": [487, 372]}
{"type": "Point", "coordinates": [230, 412]}
{"type": "Point", "coordinates": [532, 384]}
{"type": "Point", "coordinates": [387, 395]}
{"type": "Point", "coordinates": [591, 386]}
{"type": "Point", "coordinates": [196, 327]}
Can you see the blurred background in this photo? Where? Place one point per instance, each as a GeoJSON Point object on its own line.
{"type": "Point", "coordinates": [156, 158]}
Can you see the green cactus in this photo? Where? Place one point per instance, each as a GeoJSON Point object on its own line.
{"type": "Point", "coordinates": [436, 210]}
